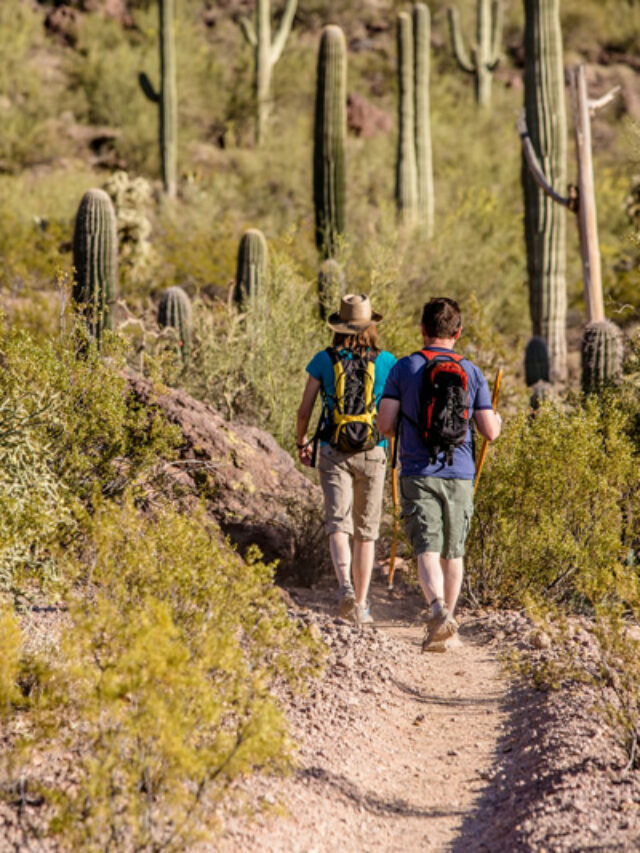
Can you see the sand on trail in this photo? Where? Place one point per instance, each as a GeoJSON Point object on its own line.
{"type": "Point", "coordinates": [395, 746]}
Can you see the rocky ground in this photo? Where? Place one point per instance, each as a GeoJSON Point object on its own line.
{"type": "Point", "coordinates": [400, 750]}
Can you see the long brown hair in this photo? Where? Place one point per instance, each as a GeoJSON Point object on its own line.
{"type": "Point", "coordinates": [359, 342]}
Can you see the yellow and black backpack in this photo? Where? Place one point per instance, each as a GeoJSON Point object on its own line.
{"type": "Point", "coordinates": [349, 423]}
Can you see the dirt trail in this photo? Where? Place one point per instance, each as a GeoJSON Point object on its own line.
{"type": "Point", "coordinates": [395, 746]}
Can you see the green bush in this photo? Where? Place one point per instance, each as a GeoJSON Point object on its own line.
{"type": "Point", "coordinates": [163, 687]}
{"type": "Point", "coordinates": [557, 508]}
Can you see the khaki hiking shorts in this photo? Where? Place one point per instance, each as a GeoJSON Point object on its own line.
{"type": "Point", "coordinates": [352, 485]}
{"type": "Point", "coordinates": [437, 514]}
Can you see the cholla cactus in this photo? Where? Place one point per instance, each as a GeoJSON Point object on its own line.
{"type": "Point", "coordinates": [329, 139]}
{"type": "Point", "coordinates": [131, 198]}
{"type": "Point", "coordinates": [536, 361]}
{"type": "Point", "coordinates": [95, 259]}
{"type": "Point", "coordinates": [601, 356]}
{"type": "Point", "coordinates": [251, 273]}
{"type": "Point", "coordinates": [485, 54]}
{"type": "Point", "coordinates": [331, 286]}
{"type": "Point", "coordinates": [174, 311]}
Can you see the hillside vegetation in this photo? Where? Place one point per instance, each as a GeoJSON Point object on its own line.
{"type": "Point", "coordinates": [158, 686]}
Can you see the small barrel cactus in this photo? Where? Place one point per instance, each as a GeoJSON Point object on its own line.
{"type": "Point", "coordinates": [251, 273]}
{"type": "Point", "coordinates": [536, 361]}
{"type": "Point", "coordinates": [331, 286]}
{"type": "Point", "coordinates": [601, 356]}
{"type": "Point", "coordinates": [174, 311]}
{"type": "Point", "coordinates": [95, 260]}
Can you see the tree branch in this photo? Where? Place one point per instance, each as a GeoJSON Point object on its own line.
{"type": "Point", "coordinates": [597, 103]}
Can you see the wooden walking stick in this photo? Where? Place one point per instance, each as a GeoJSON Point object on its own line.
{"type": "Point", "coordinates": [396, 514]}
{"type": "Point", "coordinates": [485, 441]}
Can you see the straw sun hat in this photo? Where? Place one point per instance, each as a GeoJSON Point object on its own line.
{"type": "Point", "coordinates": [355, 315]}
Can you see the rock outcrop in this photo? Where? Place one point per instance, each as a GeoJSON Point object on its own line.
{"type": "Point", "coordinates": [250, 485]}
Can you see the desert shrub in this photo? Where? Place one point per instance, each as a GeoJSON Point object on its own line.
{"type": "Point", "coordinates": [10, 653]}
{"type": "Point", "coordinates": [70, 429]}
{"type": "Point", "coordinates": [166, 679]}
{"type": "Point", "coordinates": [556, 508]}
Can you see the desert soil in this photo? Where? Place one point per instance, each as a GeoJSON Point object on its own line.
{"type": "Point", "coordinates": [404, 751]}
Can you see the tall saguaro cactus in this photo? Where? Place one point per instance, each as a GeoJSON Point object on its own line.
{"type": "Point", "coordinates": [422, 71]}
{"type": "Point", "coordinates": [485, 54]}
{"type": "Point", "coordinates": [406, 170]}
{"type": "Point", "coordinates": [329, 140]}
{"type": "Point", "coordinates": [266, 54]}
{"type": "Point", "coordinates": [251, 271]}
{"type": "Point", "coordinates": [166, 97]}
{"type": "Point", "coordinates": [544, 220]}
{"type": "Point", "coordinates": [95, 259]}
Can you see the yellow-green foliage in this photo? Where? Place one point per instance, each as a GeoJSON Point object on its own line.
{"type": "Point", "coordinates": [10, 652]}
{"type": "Point", "coordinates": [69, 429]}
{"type": "Point", "coordinates": [556, 508]}
{"type": "Point", "coordinates": [162, 688]}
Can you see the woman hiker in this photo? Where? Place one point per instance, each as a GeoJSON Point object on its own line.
{"type": "Point", "coordinates": [351, 375]}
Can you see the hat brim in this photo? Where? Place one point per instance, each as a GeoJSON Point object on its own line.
{"type": "Point", "coordinates": [338, 325]}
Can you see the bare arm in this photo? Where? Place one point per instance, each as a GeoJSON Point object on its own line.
{"type": "Point", "coordinates": [489, 423]}
{"type": "Point", "coordinates": [304, 416]}
{"type": "Point", "coordinates": [388, 412]}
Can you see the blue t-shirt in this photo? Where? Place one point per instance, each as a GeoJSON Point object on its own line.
{"type": "Point", "coordinates": [403, 384]}
{"type": "Point", "coordinates": [321, 368]}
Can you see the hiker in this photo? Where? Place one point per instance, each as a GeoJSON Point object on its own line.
{"type": "Point", "coordinates": [351, 375]}
{"type": "Point", "coordinates": [425, 400]}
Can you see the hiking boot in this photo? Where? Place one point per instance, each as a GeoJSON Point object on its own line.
{"type": "Point", "coordinates": [362, 615]}
{"type": "Point", "coordinates": [346, 601]}
{"type": "Point", "coordinates": [440, 626]}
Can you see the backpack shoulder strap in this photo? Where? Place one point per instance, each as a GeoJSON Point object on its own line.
{"type": "Point", "coordinates": [431, 354]}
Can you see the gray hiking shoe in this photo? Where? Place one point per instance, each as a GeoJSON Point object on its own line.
{"type": "Point", "coordinates": [346, 601]}
{"type": "Point", "coordinates": [439, 628]}
{"type": "Point", "coordinates": [362, 615]}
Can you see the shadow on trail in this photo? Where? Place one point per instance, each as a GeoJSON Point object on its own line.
{"type": "Point", "coordinates": [518, 783]}
{"type": "Point", "coordinates": [369, 801]}
{"type": "Point", "coordinates": [446, 701]}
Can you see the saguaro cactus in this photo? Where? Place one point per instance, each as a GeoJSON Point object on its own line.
{"type": "Point", "coordinates": [330, 131]}
{"type": "Point", "coordinates": [422, 69]}
{"type": "Point", "coordinates": [485, 54]}
{"type": "Point", "coordinates": [406, 170]}
{"type": "Point", "coordinates": [545, 222]}
{"type": "Point", "coordinates": [601, 356]}
{"type": "Point", "coordinates": [174, 311]}
{"type": "Point", "coordinates": [95, 259]}
{"type": "Point", "coordinates": [266, 54]}
{"type": "Point", "coordinates": [166, 98]}
{"type": "Point", "coordinates": [251, 272]}
{"type": "Point", "coordinates": [331, 286]}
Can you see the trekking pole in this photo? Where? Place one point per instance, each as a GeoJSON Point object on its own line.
{"type": "Point", "coordinates": [396, 515]}
{"type": "Point", "coordinates": [485, 441]}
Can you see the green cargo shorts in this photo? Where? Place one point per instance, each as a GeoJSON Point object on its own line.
{"type": "Point", "coordinates": [437, 514]}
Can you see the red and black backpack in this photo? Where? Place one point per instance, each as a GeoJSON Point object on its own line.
{"type": "Point", "coordinates": [443, 420]}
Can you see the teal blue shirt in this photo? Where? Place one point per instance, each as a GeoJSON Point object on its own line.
{"type": "Point", "coordinates": [321, 368]}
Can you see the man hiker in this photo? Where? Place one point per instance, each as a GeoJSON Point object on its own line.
{"type": "Point", "coordinates": [426, 401]}
{"type": "Point", "coordinates": [350, 374]}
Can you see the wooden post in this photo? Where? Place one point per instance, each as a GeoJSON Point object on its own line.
{"type": "Point", "coordinates": [587, 217]}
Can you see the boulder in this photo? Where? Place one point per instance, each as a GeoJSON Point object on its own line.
{"type": "Point", "coordinates": [250, 485]}
{"type": "Point", "coordinates": [364, 119]}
